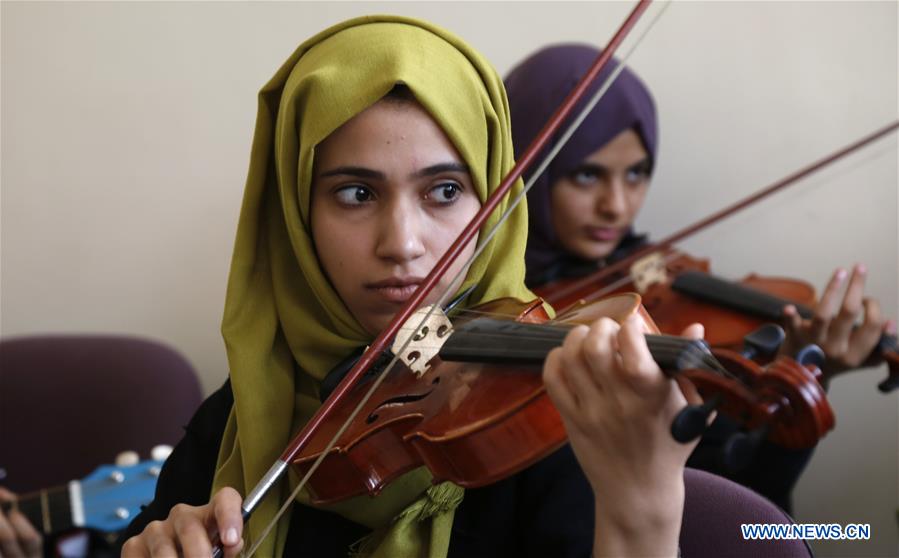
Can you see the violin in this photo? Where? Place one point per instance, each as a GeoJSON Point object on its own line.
{"type": "Point", "coordinates": [679, 290]}
{"type": "Point", "coordinates": [467, 399]}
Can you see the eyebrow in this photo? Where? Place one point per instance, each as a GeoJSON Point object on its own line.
{"type": "Point", "coordinates": [364, 172]}
{"type": "Point", "coordinates": [361, 172]}
{"type": "Point", "coordinates": [441, 168]}
{"type": "Point", "coordinates": [645, 164]}
{"type": "Point", "coordinates": [592, 167]}
{"type": "Point", "coordinates": [642, 164]}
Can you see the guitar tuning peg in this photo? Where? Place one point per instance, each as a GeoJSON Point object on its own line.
{"type": "Point", "coordinates": [127, 459]}
{"type": "Point", "coordinates": [160, 452]}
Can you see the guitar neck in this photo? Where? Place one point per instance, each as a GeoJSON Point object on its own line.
{"type": "Point", "coordinates": [49, 510]}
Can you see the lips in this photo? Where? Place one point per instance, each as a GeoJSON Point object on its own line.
{"type": "Point", "coordinates": [395, 289]}
{"type": "Point", "coordinates": [603, 234]}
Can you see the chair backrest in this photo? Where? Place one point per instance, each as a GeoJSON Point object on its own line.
{"type": "Point", "coordinates": [714, 510]}
{"type": "Point", "coordinates": [70, 403]}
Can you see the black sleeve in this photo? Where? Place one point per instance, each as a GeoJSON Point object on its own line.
{"type": "Point", "coordinates": [545, 510]}
{"type": "Point", "coordinates": [556, 510]}
{"type": "Point", "coordinates": [186, 476]}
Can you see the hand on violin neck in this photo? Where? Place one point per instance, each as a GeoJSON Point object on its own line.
{"type": "Point", "coordinates": [847, 327]}
{"type": "Point", "coordinates": [617, 407]}
{"type": "Point", "coordinates": [190, 530]}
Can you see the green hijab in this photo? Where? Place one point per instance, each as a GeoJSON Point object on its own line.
{"type": "Point", "coordinates": [284, 325]}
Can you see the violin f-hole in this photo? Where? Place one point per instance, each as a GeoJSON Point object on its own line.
{"type": "Point", "coordinates": [399, 400]}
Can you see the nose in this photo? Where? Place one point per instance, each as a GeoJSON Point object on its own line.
{"type": "Point", "coordinates": [400, 234]}
{"type": "Point", "coordinates": [610, 199]}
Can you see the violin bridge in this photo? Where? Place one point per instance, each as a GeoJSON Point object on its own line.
{"type": "Point", "coordinates": [648, 271]}
{"type": "Point", "coordinates": [426, 340]}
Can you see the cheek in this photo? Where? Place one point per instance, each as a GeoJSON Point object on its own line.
{"type": "Point", "coordinates": [336, 252]}
{"type": "Point", "coordinates": [450, 226]}
{"type": "Point", "coordinates": [636, 199]}
{"type": "Point", "coordinates": [571, 207]}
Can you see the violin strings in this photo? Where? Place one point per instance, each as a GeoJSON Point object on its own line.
{"type": "Point", "coordinates": [478, 250]}
{"type": "Point", "coordinates": [549, 326]}
{"type": "Point", "coordinates": [553, 332]}
{"type": "Point", "coordinates": [663, 347]}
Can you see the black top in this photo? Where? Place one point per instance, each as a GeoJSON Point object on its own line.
{"type": "Point", "coordinates": [545, 510]}
{"type": "Point", "coordinates": [570, 267]}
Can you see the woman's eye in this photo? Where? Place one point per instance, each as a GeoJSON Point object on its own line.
{"type": "Point", "coordinates": [584, 177]}
{"type": "Point", "coordinates": [636, 176]}
{"type": "Point", "coordinates": [445, 193]}
{"type": "Point", "coordinates": [354, 195]}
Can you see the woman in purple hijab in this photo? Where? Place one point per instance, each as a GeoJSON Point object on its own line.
{"type": "Point", "coordinates": [616, 145]}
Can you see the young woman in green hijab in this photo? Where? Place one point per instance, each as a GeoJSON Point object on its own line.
{"type": "Point", "coordinates": [375, 143]}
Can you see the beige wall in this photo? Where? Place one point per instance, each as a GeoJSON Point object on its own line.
{"type": "Point", "coordinates": [126, 131]}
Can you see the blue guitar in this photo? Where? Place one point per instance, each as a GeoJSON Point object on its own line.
{"type": "Point", "coordinates": [106, 500]}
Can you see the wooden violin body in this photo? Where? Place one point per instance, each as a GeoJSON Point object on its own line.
{"type": "Point", "coordinates": [475, 423]}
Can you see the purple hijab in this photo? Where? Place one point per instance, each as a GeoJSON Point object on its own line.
{"type": "Point", "coordinates": [536, 87]}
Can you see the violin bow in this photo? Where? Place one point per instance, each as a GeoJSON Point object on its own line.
{"type": "Point", "coordinates": [383, 340]}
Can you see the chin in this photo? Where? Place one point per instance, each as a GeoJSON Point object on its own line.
{"type": "Point", "coordinates": [594, 252]}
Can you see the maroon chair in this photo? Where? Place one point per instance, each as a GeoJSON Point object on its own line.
{"type": "Point", "coordinates": [69, 403]}
{"type": "Point", "coordinates": [714, 509]}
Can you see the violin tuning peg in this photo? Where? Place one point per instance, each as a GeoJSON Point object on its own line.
{"type": "Point", "coordinates": [692, 420]}
{"type": "Point", "coordinates": [811, 354]}
{"type": "Point", "coordinates": [890, 383]}
{"type": "Point", "coordinates": [740, 448]}
{"type": "Point", "coordinates": [764, 341]}
{"type": "Point", "coordinates": [127, 459]}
